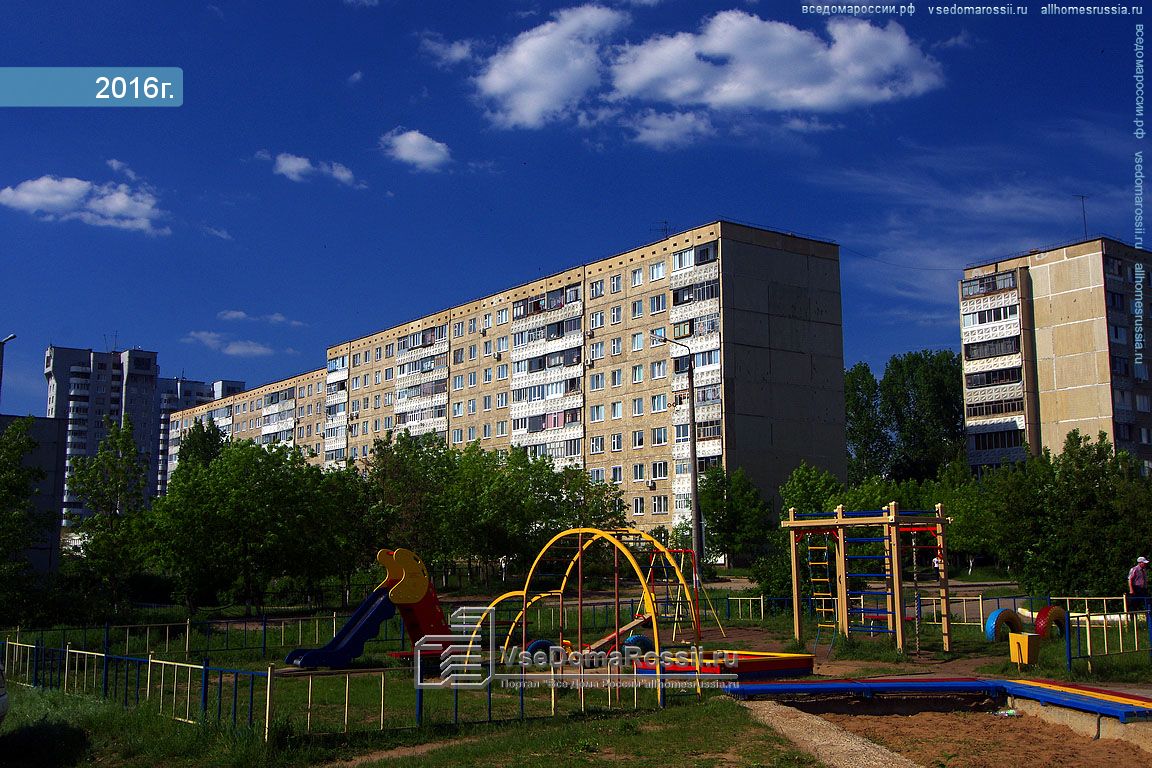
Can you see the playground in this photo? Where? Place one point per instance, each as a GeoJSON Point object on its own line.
{"type": "Point", "coordinates": [613, 623]}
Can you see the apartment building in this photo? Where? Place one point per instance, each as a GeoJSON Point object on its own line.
{"type": "Point", "coordinates": [1053, 340]}
{"type": "Point", "coordinates": [86, 387]}
{"type": "Point", "coordinates": [589, 366]}
{"type": "Point", "coordinates": [289, 411]}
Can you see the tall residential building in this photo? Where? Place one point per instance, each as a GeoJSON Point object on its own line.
{"type": "Point", "coordinates": [50, 436]}
{"type": "Point", "coordinates": [289, 411]}
{"type": "Point", "coordinates": [581, 366]}
{"type": "Point", "coordinates": [1053, 340]}
{"type": "Point", "coordinates": [86, 387]}
{"type": "Point", "coordinates": [576, 366]}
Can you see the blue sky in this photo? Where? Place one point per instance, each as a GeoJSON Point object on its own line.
{"type": "Point", "coordinates": [338, 167]}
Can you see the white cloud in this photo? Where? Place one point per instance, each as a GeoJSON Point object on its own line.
{"type": "Point", "coordinates": [446, 53]}
{"type": "Point", "coordinates": [223, 234]}
{"type": "Point", "coordinates": [275, 318]}
{"type": "Point", "coordinates": [415, 149]}
{"type": "Point", "coordinates": [668, 130]}
{"type": "Point", "coordinates": [355, 77]}
{"type": "Point", "coordinates": [210, 339]}
{"type": "Point", "coordinates": [362, 3]}
{"type": "Point", "coordinates": [809, 125]}
{"type": "Point", "coordinates": [297, 168]}
{"type": "Point", "coordinates": [247, 349]}
{"type": "Point", "coordinates": [101, 205]}
{"type": "Point", "coordinates": [122, 167]}
{"type": "Point", "coordinates": [740, 61]}
{"type": "Point", "coordinates": [544, 73]}
{"type": "Point", "coordinates": [220, 343]}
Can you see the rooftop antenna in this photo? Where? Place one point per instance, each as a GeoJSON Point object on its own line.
{"type": "Point", "coordinates": [664, 229]}
{"type": "Point", "coordinates": [1083, 213]}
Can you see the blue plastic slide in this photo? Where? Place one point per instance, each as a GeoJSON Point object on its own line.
{"type": "Point", "coordinates": [349, 641]}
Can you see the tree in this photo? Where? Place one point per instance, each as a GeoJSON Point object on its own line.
{"type": "Point", "coordinates": [809, 489]}
{"type": "Point", "coordinates": [869, 442]}
{"type": "Point", "coordinates": [111, 485]}
{"type": "Point", "coordinates": [19, 522]}
{"type": "Point", "coordinates": [922, 403]}
{"type": "Point", "coordinates": [1071, 524]}
{"type": "Point", "coordinates": [736, 516]}
{"type": "Point", "coordinates": [200, 444]}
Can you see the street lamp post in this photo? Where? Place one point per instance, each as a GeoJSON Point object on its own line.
{"type": "Point", "coordinates": [693, 473]}
{"type": "Point", "coordinates": [4, 341]}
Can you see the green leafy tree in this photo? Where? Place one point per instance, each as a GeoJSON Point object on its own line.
{"type": "Point", "coordinates": [19, 522]}
{"type": "Point", "coordinates": [111, 485]}
{"type": "Point", "coordinates": [922, 404]}
{"type": "Point", "coordinates": [1071, 524]}
{"type": "Point", "coordinates": [200, 445]}
{"type": "Point", "coordinates": [810, 489]}
{"type": "Point", "coordinates": [866, 431]}
{"type": "Point", "coordinates": [736, 517]}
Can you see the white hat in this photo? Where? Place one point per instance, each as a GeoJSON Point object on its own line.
{"type": "Point", "coordinates": [1141, 559]}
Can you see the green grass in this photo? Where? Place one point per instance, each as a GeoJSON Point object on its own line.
{"type": "Point", "coordinates": [47, 729]}
{"type": "Point", "coordinates": [980, 573]}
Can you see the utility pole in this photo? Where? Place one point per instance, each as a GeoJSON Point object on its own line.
{"type": "Point", "coordinates": [3, 342]}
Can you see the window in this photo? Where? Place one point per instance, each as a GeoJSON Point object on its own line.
{"type": "Point", "coordinates": [1115, 301]}
{"type": "Point", "coordinates": [596, 321]}
{"type": "Point", "coordinates": [617, 345]}
{"type": "Point", "coordinates": [656, 271]}
{"type": "Point", "coordinates": [472, 325]}
{"type": "Point", "coordinates": [1121, 366]}
{"type": "Point", "coordinates": [596, 444]}
{"type": "Point", "coordinates": [682, 433]}
{"type": "Point", "coordinates": [707, 430]}
{"type": "Point", "coordinates": [994, 315]}
{"type": "Point", "coordinates": [617, 474]}
{"type": "Point", "coordinates": [637, 277]}
{"type": "Point", "coordinates": [637, 308]}
{"type": "Point", "coordinates": [659, 470]}
{"type": "Point", "coordinates": [487, 347]}
{"type": "Point", "coordinates": [637, 406]}
{"type": "Point", "coordinates": [501, 371]}
{"type": "Point", "coordinates": [617, 377]}
{"type": "Point", "coordinates": [472, 378]}
{"type": "Point", "coordinates": [992, 378]}
{"type": "Point", "coordinates": [458, 356]}
{"type": "Point", "coordinates": [637, 342]}
{"type": "Point", "coordinates": [984, 349]}
{"type": "Point", "coordinates": [614, 283]}
{"type": "Point", "coordinates": [458, 329]}
{"type": "Point", "coordinates": [1117, 334]}
{"type": "Point", "coordinates": [659, 404]}
{"type": "Point", "coordinates": [458, 381]}
{"type": "Point", "coordinates": [596, 382]}
{"type": "Point", "coordinates": [682, 260]}
{"type": "Point", "coordinates": [638, 438]}
{"type": "Point", "coordinates": [617, 441]}
{"type": "Point", "coordinates": [487, 402]}
{"type": "Point", "coordinates": [457, 436]}
{"type": "Point", "coordinates": [978, 286]}
{"type": "Point", "coordinates": [638, 471]}
{"type": "Point", "coordinates": [1143, 403]}
{"type": "Point", "coordinates": [614, 314]}
{"type": "Point", "coordinates": [501, 399]}
{"type": "Point", "coordinates": [487, 431]}
{"type": "Point", "coordinates": [638, 505]}
{"type": "Point", "coordinates": [659, 369]}
{"type": "Point", "coordinates": [1123, 432]}
{"type": "Point", "coordinates": [596, 413]}
{"type": "Point", "coordinates": [659, 505]}
{"type": "Point", "coordinates": [618, 409]}
{"type": "Point", "coordinates": [501, 316]}
{"type": "Point", "coordinates": [657, 303]}
{"type": "Point", "coordinates": [1122, 398]}
{"type": "Point", "coordinates": [471, 434]}
{"type": "Point", "coordinates": [637, 373]}
{"type": "Point", "coordinates": [472, 351]}
{"type": "Point", "coordinates": [501, 428]}
{"type": "Point", "coordinates": [596, 350]}
{"type": "Point", "coordinates": [596, 289]}
{"type": "Point", "coordinates": [458, 408]}
{"type": "Point", "coordinates": [682, 330]}
{"type": "Point", "coordinates": [987, 441]}
{"type": "Point", "coordinates": [487, 375]}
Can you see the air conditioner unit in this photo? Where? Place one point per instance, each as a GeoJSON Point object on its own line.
{"type": "Point", "coordinates": [589, 363]}
{"type": "Point", "coordinates": [483, 331]}
{"type": "Point", "coordinates": [591, 334]}
{"type": "Point", "coordinates": [496, 356]}
{"type": "Point", "coordinates": [651, 485]}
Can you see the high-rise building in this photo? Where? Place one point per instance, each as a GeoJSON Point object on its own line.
{"type": "Point", "coordinates": [50, 436]}
{"type": "Point", "coordinates": [1053, 340]}
{"type": "Point", "coordinates": [86, 387]}
{"type": "Point", "coordinates": [289, 412]}
{"type": "Point", "coordinates": [590, 366]}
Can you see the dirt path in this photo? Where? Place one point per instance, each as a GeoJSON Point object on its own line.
{"type": "Point", "coordinates": [824, 740]}
{"type": "Point", "coordinates": [384, 755]}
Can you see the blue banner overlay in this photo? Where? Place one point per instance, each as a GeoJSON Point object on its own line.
{"type": "Point", "coordinates": [91, 86]}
